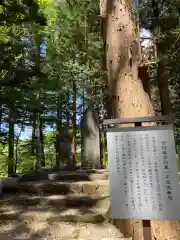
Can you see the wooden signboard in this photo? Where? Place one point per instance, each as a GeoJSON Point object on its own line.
{"type": "Point", "coordinates": [143, 172]}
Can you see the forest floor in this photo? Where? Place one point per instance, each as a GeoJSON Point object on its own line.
{"type": "Point", "coordinates": [43, 210]}
{"type": "Point", "coordinates": [47, 230]}
{"type": "Point", "coordinates": [35, 230]}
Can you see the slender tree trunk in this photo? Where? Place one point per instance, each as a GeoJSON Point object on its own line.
{"type": "Point", "coordinates": [162, 77]}
{"type": "Point", "coordinates": [68, 112]}
{"type": "Point", "coordinates": [16, 152]}
{"type": "Point", "coordinates": [39, 164]}
{"type": "Point", "coordinates": [73, 160]}
{"type": "Point", "coordinates": [144, 76]}
{"type": "Point", "coordinates": [83, 99]}
{"type": "Point", "coordinates": [38, 139]}
{"type": "Point", "coordinates": [128, 98]}
{"type": "Point", "coordinates": [82, 114]}
{"type": "Point", "coordinates": [33, 141]}
{"type": "Point", "coordinates": [43, 162]}
{"type": "Point", "coordinates": [163, 85]}
{"type": "Point", "coordinates": [11, 141]}
{"type": "Point", "coordinates": [58, 132]}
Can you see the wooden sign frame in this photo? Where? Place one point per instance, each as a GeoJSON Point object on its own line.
{"type": "Point", "coordinates": [138, 122]}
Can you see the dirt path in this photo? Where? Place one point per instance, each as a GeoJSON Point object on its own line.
{"type": "Point", "coordinates": [33, 230]}
{"type": "Point", "coordinates": [28, 222]}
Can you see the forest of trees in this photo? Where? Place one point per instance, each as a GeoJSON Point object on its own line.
{"type": "Point", "coordinates": [54, 59]}
{"type": "Point", "coordinates": [60, 57]}
{"type": "Point", "coordinates": [51, 70]}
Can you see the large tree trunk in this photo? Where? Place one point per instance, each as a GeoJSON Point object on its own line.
{"type": "Point", "coordinates": [11, 141]}
{"type": "Point", "coordinates": [128, 98]}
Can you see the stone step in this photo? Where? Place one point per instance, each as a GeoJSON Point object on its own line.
{"type": "Point", "coordinates": [50, 230]}
{"type": "Point", "coordinates": [58, 187]}
{"type": "Point", "coordinates": [57, 201]}
{"type": "Point", "coordinates": [79, 175]}
{"type": "Point", "coordinates": [43, 214]}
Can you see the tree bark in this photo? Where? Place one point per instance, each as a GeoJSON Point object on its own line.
{"type": "Point", "coordinates": [38, 140]}
{"type": "Point", "coordinates": [33, 141]}
{"type": "Point", "coordinates": [73, 160]}
{"type": "Point", "coordinates": [68, 112]}
{"type": "Point", "coordinates": [43, 161]}
{"type": "Point", "coordinates": [166, 106]}
{"type": "Point", "coordinates": [162, 78]}
{"type": "Point", "coordinates": [128, 98]}
{"type": "Point", "coordinates": [16, 152]}
{"type": "Point", "coordinates": [11, 141]}
{"type": "Point", "coordinates": [39, 163]}
{"type": "Point", "coordinates": [58, 132]}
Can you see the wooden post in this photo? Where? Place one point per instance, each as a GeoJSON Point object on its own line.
{"type": "Point", "coordinates": [146, 224]}
{"type": "Point", "coordinates": [147, 229]}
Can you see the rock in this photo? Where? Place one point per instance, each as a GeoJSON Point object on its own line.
{"type": "Point", "coordinates": [90, 153]}
{"type": "Point", "coordinates": [64, 138]}
{"type": "Point", "coordinates": [35, 175]}
{"type": "Point", "coordinates": [10, 182]}
{"type": "Point", "coordinates": [69, 176]}
{"type": "Point", "coordinates": [89, 188]}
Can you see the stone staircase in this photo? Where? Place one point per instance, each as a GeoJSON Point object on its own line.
{"type": "Point", "coordinates": [64, 206]}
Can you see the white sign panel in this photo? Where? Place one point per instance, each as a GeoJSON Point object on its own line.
{"type": "Point", "coordinates": [143, 173]}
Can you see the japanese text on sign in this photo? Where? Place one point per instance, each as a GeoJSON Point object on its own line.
{"type": "Point", "coordinates": [143, 173]}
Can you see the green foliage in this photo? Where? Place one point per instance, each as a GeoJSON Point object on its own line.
{"type": "Point", "coordinates": [34, 84]}
{"type": "Point", "coordinates": [19, 12]}
{"type": "Point", "coordinates": [161, 18]}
